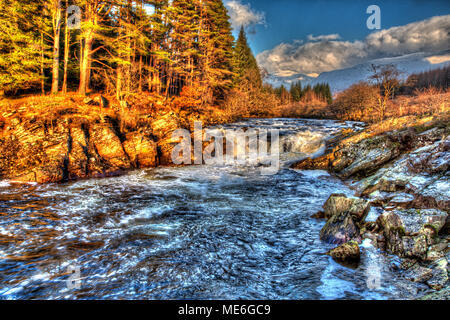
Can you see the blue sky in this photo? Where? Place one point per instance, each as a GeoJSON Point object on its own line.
{"type": "Point", "coordinates": [289, 20]}
{"type": "Point", "coordinates": [292, 37]}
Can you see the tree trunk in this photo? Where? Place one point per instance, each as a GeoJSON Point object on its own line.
{"type": "Point", "coordinates": [66, 51]}
{"type": "Point", "coordinates": [42, 65]}
{"type": "Point", "coordinates": [85, 63]}
{"type": "Point", "coordinates": [56, 42]}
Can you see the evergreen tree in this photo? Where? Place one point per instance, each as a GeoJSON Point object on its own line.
{"type": "Point", "coordinates": [244, 63]}
{"type": "Point", "coordinates": [22, 47]}
{"type": "Point", "coordinates": [120, 47]}
{"type": "Point", "coordinates": [216, 42]}
{"type": "Point", "coordinates": [296, 91]}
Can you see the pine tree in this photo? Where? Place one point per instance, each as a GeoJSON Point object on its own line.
{"type": "Point", "coordinates": [216, 44]}
{"type": "Point", "coordinates": [296, 91]}
{"type": "Point", "coordinates": [244, 62]}
{"type": "Point", "coordinates": [22, 48]}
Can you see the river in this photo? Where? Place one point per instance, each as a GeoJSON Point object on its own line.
{"type": "Point", "coordinates": [196, 232]}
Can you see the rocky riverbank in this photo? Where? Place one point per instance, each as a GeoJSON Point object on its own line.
{"type": "Point", "coordinates": [401, 181]}
{"type": "Point", "coordinates": [57, 139]}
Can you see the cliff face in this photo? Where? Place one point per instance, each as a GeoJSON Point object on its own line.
{"type": "Point", "coordinates": [33, 152]}
{"type": "Point", "coordinates": [74, 139]}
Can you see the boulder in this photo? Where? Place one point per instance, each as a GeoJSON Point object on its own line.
{"type": "Point", "coordinates": [109, 148]}
{"type": "Point", "coordinates": [338, 203]}
{"type": "Point", "coordinates": [339, 229]}
{"type": "Point", "coordinates": [409, 233]}
{"type": "Point", "coordinates": [392, 230]}
{"type": "Point", "coordinates": [163, 127]}
{"type": "Point", "coordinates": [416, 247]}
{"type": "Point", "coordinates": [346, 252]}
{"type": "Point", "coordinates": [437, 251]}
{"type": "Point", "coordinates": [365, 157]}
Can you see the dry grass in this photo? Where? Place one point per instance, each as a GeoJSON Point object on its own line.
{"type": "Point", "coordinates": [424, 102]}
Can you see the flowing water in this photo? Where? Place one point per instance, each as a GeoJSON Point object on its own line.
{"type": "Point", "coordinates": [198, 232]}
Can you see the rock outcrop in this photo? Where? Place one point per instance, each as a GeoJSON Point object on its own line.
{"type": "Point", "coordinates": [409, 233]}
{"type": "Point", "coordinates": [69, 148]}
{"type": "Point", "coordinates": [405, 175]}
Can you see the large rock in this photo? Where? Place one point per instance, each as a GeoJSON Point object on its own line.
{"type": "Point", "coordinates": [142, 150]}
{"type": "Point", "coordinates": [409, 233]}
{"type": "Point", "coordinates": [347, 252]}
{"type": "Point", "coordinates": [439, 274]}
{"type": "Point", "coordinates": [109, 153]}
{"type": "Point", "coordinates": [35, 152]}
{"type": "Point", "coordinates": [421, 173]}
{"type": "Point", "coordinates": [339, 229]}
{"type": "Point", "coordinates": [365, 157]}
{"type": "Point", "coordinates": [338, 203]}
{"type": "Point", "coordinates": [163, 127]}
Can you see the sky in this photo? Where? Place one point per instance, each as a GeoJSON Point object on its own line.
{"type": "Point", "coordinates": [310, 37]}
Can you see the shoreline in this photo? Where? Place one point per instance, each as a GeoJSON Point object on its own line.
{"type": "Point", "coordinates": [401, 173]}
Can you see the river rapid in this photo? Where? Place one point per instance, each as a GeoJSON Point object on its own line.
{"type": "Point", "coordinates": [196, 232]}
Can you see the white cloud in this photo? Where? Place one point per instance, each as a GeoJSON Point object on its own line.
{"type": "Point", "coordinates": [243, 14]}
{"type": "Point", "coordinates": [312, 57]}
{"type": "Point", "coordinates": [326, 52]}
{"type": "Point", "coordinates": [324, 37]}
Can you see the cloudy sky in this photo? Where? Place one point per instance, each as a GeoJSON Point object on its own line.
{"type": "Point", "coordinates": [310, 37]}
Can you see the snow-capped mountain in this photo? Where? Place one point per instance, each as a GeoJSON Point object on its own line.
{"type": "Point", "coordinates": [343, 78]}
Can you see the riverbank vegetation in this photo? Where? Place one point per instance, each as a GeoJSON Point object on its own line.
{"type": "Point", "coordinates": [176, 54]}
{"type": "Point", "coordinates": [384, 95]}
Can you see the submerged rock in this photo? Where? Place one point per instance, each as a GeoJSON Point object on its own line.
{"type": "Point", "coordinates": [443, 294]}
{"type": "Point", "coordinates": [418, 273]}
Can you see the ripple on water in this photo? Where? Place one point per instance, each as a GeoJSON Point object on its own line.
{"type": "Point", "coordinates": [199, 232]}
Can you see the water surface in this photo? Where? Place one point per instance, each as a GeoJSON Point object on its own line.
{"type": "Point", "coordinates": [199, 232]}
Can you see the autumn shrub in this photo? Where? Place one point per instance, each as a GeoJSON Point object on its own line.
{"type": "Point", "coordinates": [356, 103]}
{"type": "Point", "coordinates": [250, 101]}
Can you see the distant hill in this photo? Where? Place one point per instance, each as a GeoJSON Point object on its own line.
{"type": "Point", "coordinates": [343, 78]}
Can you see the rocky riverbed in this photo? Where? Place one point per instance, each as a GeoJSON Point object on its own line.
{"type": "Point", "coordinates": [402, 186]}
{"type": "Point", "coordinates": [399, 177]}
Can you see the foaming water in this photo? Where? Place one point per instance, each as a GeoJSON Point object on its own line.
{"type": "Point", "coordinates": [198, 232]}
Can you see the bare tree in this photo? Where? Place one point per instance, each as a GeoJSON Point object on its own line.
{"type": "Point", "coordinates": [385, 77]}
